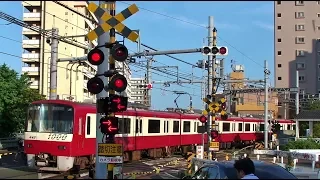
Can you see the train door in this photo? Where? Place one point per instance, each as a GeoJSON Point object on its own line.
{"type": "Point", "coordinates": [89, 132]}
{"type": "Point", "coordinates": [80, 134]}
{"type": "Point", "coordinates": [138, 131]}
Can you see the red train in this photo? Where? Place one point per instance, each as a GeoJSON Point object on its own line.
{"type": "Point", "coordinates": [60, 134]}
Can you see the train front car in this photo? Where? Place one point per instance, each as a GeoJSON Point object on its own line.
{"type": "Point", "coordinates": [48, 136]}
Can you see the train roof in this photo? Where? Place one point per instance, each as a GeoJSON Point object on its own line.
{"type": "Point", "coordinates": [150, 113]}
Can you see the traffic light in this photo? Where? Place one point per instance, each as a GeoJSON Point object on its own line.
{"type": "Point", "coordinates": [119, 52]}
{"type": "Point", "coordinates": [109, 125]}
{"type": "Point", "coordinates": [147, 86]}
{"type": "Point", "coordinates": [203, 119]}
{"type": "Point", "coordinates": [95, 57]}
{"type": "Point", "coordinates": [118, 83]}
{"type": "Point", "coordinates": [95, 85]}
{"type": "Point", "coordinates": [214, 50]}
{"type": "Point", "coordinates": [214, 134]}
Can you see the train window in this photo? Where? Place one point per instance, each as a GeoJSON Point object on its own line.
{"type": "Point", "coordinates": [247, 127]}
{"type": "Point", "coordinates": [154, 126]}
{"type": "Point", "coordinates": [226, 127]}
{"type": "Point", "coordinates": [261, 128]}
{"type": "Point", "coordinates": [140, 126]}
{"type": "Point", "coordinates": [240, 127]}
{"type": "Point", "coordinates": [176, 126]}
{"type": "Point", "coordinates": [137, 125]}
{"type": "Point", "coordinates": [88, 125]}
{"type": "Point", "coordinates": [164, 127]}
{"type": "Point", "coordinates": [288, 127]}
{"type": "Point", "coordinates": [186, 126]}
{"type": "Point", "coordinates": [195, 127]}
{"type": "Point", "coordinates": [124, 125]}
{"type": "Point", "coordinates": [167, 126]}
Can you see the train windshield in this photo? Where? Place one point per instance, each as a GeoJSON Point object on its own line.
{"type": "Point", "coordinates": [50, 118]}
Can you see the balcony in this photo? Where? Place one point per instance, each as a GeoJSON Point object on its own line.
{"type": "Point", "coordinates": [31, 3]}
{"type": "Point", "coordinates": [34, 85]}
{"type": "Point", "coordinates": [26, 31]}
{"type": "Point", "coordinates": [31, 16]}
{"type": "Point", "coordinates": [32, 43]}
{"type": "Point", "coordinates": [30, 57]}
{"type": "Point", "coordinates": [31, 71]}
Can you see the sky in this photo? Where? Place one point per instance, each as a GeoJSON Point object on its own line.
{"type": "Point", "coordinates": [245, 27]}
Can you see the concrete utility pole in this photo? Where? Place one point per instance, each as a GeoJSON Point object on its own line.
{"type": "Point", "coordinates": [53, 63]}
{"type": "Point", "coordinates": [100, 169]}
{"type": "Point", "coordinates": [148, 79]}
{"type": "Point", "coordinates": [210, 77]}
{"type": "Point", "coordinates": [297, 104]}
{"type": "Point", "coordinates": [266, 77]}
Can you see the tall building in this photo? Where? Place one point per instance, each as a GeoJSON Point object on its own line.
{"type": "Point", "coordinates": [71, 84]}
{"type": "Point", "coordinates": [296, 43]}
{"type": "Point", "coordinates": [138, 93]}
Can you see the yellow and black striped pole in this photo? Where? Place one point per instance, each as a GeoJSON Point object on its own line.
{"type": "Point", "coordinates": [214, 86]}
{"type": "Point", "coordinates": [112, 66]}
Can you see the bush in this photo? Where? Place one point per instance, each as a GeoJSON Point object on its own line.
{"type": "Point", "coordinates": [302, 144]}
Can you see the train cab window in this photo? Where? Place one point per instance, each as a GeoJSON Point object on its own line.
{"type": "Point", "coordinates": [124, 125]}
{"type": "Point", "coordinates": [240, 127]}
{"type": "Point", "coordinates": [288, 127]}
{"type": "Point", "coordinates": [261, 127]}
{"type": "Point", "coordinates": [88, 125]}
{"type": "Point", "coordinates": [153, 126]}
{"type": "Point", "coordinates": [247, 127]}
{"type": "Point", "coordinates": [176, 126]}
{"type": "Point", "coordinates": [186, 126]}
{"type": "Point", "coordinates": [226, 127]}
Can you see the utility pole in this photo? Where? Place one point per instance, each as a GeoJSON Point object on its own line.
{"type": "Point", "coordinates": [53, 63]}
{"type": "Point", "coordinates": [210, 78]}
{"type": "Point", "coordinates": [266, 89]}
{"type": "Point", "coordinates": [100, 169]}
{"type": "Point", "coordinates": [297, 104]}
{"type": "Point", "coordinates": [148, 79]}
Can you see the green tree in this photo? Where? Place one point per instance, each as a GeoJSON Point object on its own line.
{"type": "Point", "coordinates": [15, 96]}
{"type": "Point", "coordinates": [313, 105]}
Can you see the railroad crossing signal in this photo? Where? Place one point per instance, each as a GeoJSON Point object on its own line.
{"type": "Point", "coordinates": [109, 125]}
{"type": "Point", "coordinates": [118, 103]}
{"type": "Point", "coordinates": [112, 22]}
{"type": "Point", "coordinates": [214, 107]}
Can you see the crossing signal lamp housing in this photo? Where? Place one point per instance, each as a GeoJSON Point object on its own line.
{"type": "Point", "coordinates": [118, 83]}
{"type": "Point", "coordinates": [95, 85]}
{"type": "Point", "coordinates": [147, 86]}
{"type": "Point", "coordinates": [214, 50]}
{"type": "Point", "coordinates": [119, 52]}
{"type": "Point", "coordinates": [95, 57]}
{"type": "Point", "coordinates": [214, 134]}
{"type": "Point", "coordinates": [109, 125]}
{"type": "Point", "coordinates": [203, 119]}
{"type": "Point", "coordinates": [118, 103]}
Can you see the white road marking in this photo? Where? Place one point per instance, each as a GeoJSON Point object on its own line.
{"type": "Point", "coordinates": [171, 175]}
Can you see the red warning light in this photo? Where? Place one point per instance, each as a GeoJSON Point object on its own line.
{"type": "Point", "coordinates": [95, 85]}
{"type": "Point", "coordinates": [203, 119]}
{"type": "Point", "coordinates": [215, 50]}
{"type": "Point", "coordinates": [149, 86]}
{"type": "Point", "coordinates": [119, 52]}
{"type": "Point", "coordinates": [118, 83]}
{"type": "Point", "coordinates": [95, 57]}
{"type": "Point", "coordinates": [223, 50]}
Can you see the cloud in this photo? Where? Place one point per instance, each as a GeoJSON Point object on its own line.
{"type": "Point", "coordinates": [264, 25]}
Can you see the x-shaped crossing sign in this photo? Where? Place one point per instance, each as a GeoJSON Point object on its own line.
{"type": "Point", "coordinates": [214, 106]}
{"type": "Point", "coordinates": [112, 22]}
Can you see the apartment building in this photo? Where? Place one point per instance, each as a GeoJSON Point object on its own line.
{"type": "Point", "coordinates": [296, 43]}
{"type": "Point", "coordinates": [138, 93]}
{"type": "Point", "coordinates": [72, 77]}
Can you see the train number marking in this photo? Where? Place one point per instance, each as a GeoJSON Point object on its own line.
{"type": "Point", "coordinates": [58, 136]}
{"type": "Point", "coordinates": [110, 150]}
{"type": "Point", "coordinates": [32, 137]}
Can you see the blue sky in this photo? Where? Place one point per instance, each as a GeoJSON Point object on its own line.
{"type": "Point", "coordinates": [246, 28]}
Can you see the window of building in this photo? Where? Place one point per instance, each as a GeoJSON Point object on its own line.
{"type": "Point", "coordinates": [279, 78]}
{"type": "Point", "coordinates": [299, 27]}
{"type": "Point", "coordinates": [226, 126]}
{"type": "Point", "coordinates": [279, 27]}
{"type": "Point", "coordinates": [66, 13]}
{"type": "Point", "coordinates": [301, 78]}
{"type": "Point", "coordinates": [300, 65]}
{"type": "Point", "coordinates": [279, 15]}
{"type": "Point", "coordinates": [299, 15]}
{"type": "Point", "coordinates": [247, 127]}
{"type": "Point", "coordinates": [240, 127]}
{"type": "Point", "coordinates": [300, 40]}
{"type": "Point", "coordinates": [279, 53]}
{"type": "Point", "coordinates": [300, 53]}
{"type": "Point", "coordinates": [186, 126]}
{"type": "Point", "coordinates": [299, 3]}
{"type": "Point", "coordinates": [279, 39]}
{"type": "Point", "coordinates": [154, 126]}
{"type": "Point", "coordinates": [279, 65]}
{"type": "Point", "coordinates": [176, 126]}
{"type": "Point", "coordinates": [278, 2]}
{"type": "Point", "coordinates": [124, 125]}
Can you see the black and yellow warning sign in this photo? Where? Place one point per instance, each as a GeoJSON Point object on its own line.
{"type": "Point", "coordinates": [215, 107]}
{"type": "Point", "coordinates": [110, 149]}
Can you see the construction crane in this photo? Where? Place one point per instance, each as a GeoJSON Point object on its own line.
{"type": "Point", "coordinates": [45, 33]}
